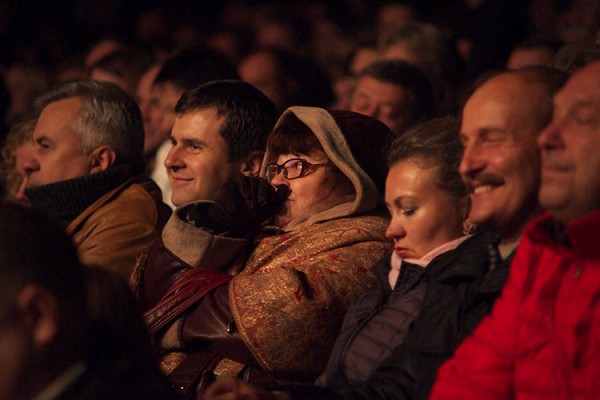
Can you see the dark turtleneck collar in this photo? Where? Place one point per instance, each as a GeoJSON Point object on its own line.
{"type": "Point", "coordinates": [63, 201]}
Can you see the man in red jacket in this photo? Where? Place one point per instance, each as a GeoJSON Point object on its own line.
{"type": "Point", "coordinates": [542, 340]}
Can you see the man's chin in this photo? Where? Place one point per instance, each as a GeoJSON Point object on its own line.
{"type": "Point", "coordinates": [178, 200]}
{"type": "Point", "coordinates": [482, 218]}
{"type": "Point", "coordinates": [552, 197]}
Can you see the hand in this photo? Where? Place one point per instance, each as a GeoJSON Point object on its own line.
{"type": "Point", "coordinates": [242, 205]}
{"type": "Point", "coordinates": [228, 388]}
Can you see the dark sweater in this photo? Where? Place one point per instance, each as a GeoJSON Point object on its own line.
{"type": "Point", "coordinates": [63, 201]}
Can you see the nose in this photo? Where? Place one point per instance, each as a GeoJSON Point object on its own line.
{"type": "Point", "coordinates": [31, 165]}
{"type": "Point", "coordinates": [395, 230]}
{"type": "Point", "coordinates": [550, 137]}
{"type": "Point", "coordinates": [471, 161]}
{"type": "Point", "coordinates": [279, 179]}
{"type": "Point", "coordinates": [174, 161]}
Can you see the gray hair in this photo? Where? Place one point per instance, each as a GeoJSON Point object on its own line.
{"type": "Point", "coordinates": [424, 39]}
{"type": "Point", "coordinates": [108, 117]}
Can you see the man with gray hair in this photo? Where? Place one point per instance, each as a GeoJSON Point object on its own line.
{"type": "Point", "coordinates": [86, 172]}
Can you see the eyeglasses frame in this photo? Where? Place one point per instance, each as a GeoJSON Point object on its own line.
{"type": "Point", "coordinates": [306, 166]}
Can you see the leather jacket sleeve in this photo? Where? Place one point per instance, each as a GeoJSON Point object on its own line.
{"type": "Point", "coordinates": [211, 322]}
{"type": "Point", "coordinates": [156, 270]}
{"type": "Point", "coordinates": [182, 247]}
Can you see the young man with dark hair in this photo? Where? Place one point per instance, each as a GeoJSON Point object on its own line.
{"type": "Point", "coordinates": [220, 129]}
{"type": "Point", "coordinates": [183, 71]}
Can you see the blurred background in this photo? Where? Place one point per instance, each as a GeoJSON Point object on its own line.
{"type": "Point", "coordinates": [45, 41]}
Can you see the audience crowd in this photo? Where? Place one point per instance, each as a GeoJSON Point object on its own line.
{"type": "Point", "coordinates": [386, 199]}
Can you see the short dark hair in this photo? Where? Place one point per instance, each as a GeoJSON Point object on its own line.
{"type": "Point", "coordinates": [109, 117]}
{"type": "Point", "coordinates": [412, 79]}
{"type": "Point", "coordinates": [434, 143]}
{"type": "Point", "coordinates": [128, 63]}
{"type": "Point", "coordinates": [249, 116]}
{"type": "Point", "coordinates": [573, 56]}
{"type": "Point", "coordinates": [35, 250]}
{"type": "Point", "coordinates": [194, 66]}
{"type": "Point", "coordinates": [294, 137]}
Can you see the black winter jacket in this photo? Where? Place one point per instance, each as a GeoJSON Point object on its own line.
{"type": "Point", "coordinates": [391, 313]}
{"type": "Point", "coordinates": [462, 286]}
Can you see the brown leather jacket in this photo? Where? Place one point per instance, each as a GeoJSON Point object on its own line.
{"type": "Point", "coordinates": [111, 231]}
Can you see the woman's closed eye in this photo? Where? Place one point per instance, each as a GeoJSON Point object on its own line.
{"type": "Point", "coordinates": [409, 211]}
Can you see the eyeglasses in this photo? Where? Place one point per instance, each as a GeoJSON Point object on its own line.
{"type": "Point", "coordinates": [292, 169]}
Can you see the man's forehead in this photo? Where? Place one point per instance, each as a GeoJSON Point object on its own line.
{"type": "Point", "coordinates": [590, 71]}
{"type": "Point", "coordinates": [59, 113]}
{"type": "Point", "coordinates": [501, 103]}
{"type": "Point", "coordinates": [518, 133]}
{"type": "Point", "coordinates": [505, 85]}
{"type": "Point", "coordinates": [261, 64]}
{"type": "Point", "coordinates": [381, 89]}
{"type": "Point", "coordinates": [166, 88]}
{"type": "Point", "coordinates": [202, 117]}
{"type": "Point", "coordinates": [582, 87]}
{"type": "Point", "coordinates": [72, 104]}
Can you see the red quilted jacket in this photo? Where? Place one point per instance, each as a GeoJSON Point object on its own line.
{"type": "Point", "coordinates": [542, 339]}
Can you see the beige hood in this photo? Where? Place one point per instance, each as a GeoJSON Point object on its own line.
{"type": "Point", "coordinates": [334, 142]}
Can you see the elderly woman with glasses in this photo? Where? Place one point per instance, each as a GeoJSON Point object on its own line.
{"type": "Point", "coordinates": [432, 290]}
{"type": "Point", "coordinates": [265, 302]}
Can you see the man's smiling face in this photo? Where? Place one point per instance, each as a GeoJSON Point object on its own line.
{"type": "Point", "coordinates": [570, 185]}
{"type": "Point", "coordinates": [501, 162]}
{"type": "Point", "coordinates": [197, 164]}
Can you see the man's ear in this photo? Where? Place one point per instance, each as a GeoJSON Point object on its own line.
{"type": "Point", "coordinates": [102, 158]}
{"type": "Point", "coordinates": [41, 313]}
{"type": "Point", "coordinates": [251, 164]}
